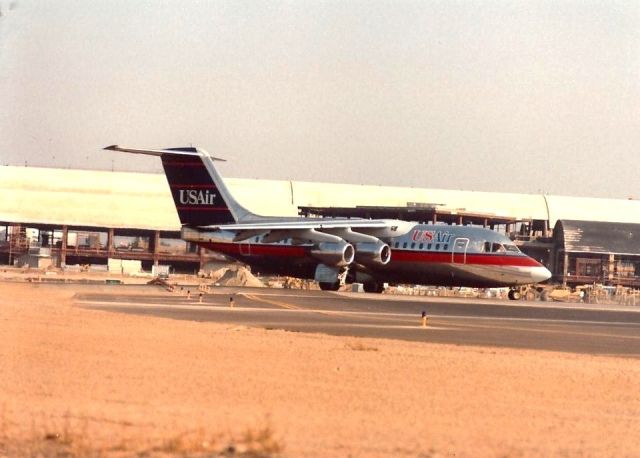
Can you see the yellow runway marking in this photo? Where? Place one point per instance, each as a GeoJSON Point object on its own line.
{"type": "Point", "coordinates": [272, 302]}
{"type": "Point", "coordinates": [339, 313]}
{"type": "Point", "coordinates": [330, 313]}
{"type": "Point", "coordinates": [289, 306]}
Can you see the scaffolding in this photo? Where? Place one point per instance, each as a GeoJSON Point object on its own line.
{"type": "Point", "coordinates": [18, 241]}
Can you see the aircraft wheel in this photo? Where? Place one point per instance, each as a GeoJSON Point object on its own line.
{"type": "Point", "coordinates": [373, 287]}
{"type": "Point", "coordinates": [324, 286]}
{"type": "Point", "coordinates": [514, 295]}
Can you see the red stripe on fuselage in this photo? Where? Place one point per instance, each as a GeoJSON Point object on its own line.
{"type": "Point", "coordinates": [250, 249]}
{"type": "Point", "coordinates": [459, 258]}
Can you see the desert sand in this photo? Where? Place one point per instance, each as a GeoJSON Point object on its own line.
{"type": "Point", "coordinates": [96, 383]}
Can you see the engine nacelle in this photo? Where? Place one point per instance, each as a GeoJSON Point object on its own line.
{"type": "Point", "coordinates": [373, 253]}
{"type": "Point", "coordinates": [336, 254]}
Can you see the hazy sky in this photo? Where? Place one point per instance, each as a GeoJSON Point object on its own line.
{"type": "Point", "coordinates": [485, 95]}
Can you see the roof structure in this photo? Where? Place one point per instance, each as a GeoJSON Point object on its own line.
{"type": "Point", "coordinates": [597, 237]}
{"type": "Point", "coordinates": [141, 200]}
{"type": "Point", "coordinates": [90, 198]}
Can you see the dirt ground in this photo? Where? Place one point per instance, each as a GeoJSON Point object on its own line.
{"type": "Point", "coordinates": [77, 382]}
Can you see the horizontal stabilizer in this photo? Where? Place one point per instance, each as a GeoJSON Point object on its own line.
{"type": "Point", "coordinates": [186, 151]}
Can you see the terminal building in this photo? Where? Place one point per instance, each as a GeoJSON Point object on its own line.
{"type": "Point", "coordinates": [64, 217]}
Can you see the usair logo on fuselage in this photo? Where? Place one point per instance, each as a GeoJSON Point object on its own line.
{"type": "Point", "coordinates": [195, 197]}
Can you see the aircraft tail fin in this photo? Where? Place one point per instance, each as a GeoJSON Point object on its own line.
{"type": "Point", "coordinates": [199, 193]}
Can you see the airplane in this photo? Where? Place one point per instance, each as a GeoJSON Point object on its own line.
{"type": "Point", "coordinates": [335, 251]}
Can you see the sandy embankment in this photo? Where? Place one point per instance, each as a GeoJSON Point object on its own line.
{"type": "Point", "coordinates": [121, 384]}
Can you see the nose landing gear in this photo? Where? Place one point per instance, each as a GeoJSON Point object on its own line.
{"type": "Point", "coordinates": [514, 295]}
{"type": "Point", "coordinates": [528, 293]}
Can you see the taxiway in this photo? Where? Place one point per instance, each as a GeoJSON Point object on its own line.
{"type": "Point", "coordinates": [534, 325]}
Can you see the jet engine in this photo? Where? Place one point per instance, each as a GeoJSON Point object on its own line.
{"type": "Point", "coordinates": [373, 253]}
{"type": "Point", "coordinates": [336, 254]}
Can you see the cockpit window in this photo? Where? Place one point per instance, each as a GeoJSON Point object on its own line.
{"type": "Point", "coordinates": [496, 247]}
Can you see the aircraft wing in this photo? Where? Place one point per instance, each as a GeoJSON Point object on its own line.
{"type": "Point", "coordinates": [307, 223]}
{"type": "Point", "coordinates": [317, 229]}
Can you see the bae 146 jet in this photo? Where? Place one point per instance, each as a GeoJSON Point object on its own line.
{"type": "Point", "coordinates": [334, 251]}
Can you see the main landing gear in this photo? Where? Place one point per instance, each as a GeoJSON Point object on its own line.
{"type": "Point", "coordinates": [326, 286]}
{"type": "Point", "coordinates": [373, 287]}
{"type": "Point", "coordinates": [331, 278]}
{"type": "Point", "coordinates": [369, 287]}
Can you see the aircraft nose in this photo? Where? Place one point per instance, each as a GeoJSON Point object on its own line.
{"type": "Point", "coordinates": [540, 274]}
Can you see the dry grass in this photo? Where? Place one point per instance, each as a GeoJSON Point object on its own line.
{"type": "Point", "coordinates": [69, 438]}
{"type": "Point", "coordinates": [359, 346]}
{"type": "Point", "coordinates": [261, 442]}
{"type": "Point", "coordinates": [47, 438]}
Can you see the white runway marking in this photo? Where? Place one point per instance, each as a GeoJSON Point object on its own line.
{"type": "Point", "coordinates": [491, 301]}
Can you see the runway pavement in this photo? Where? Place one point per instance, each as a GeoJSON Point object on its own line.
{"type": "Point", "coordinates": [544, 326]}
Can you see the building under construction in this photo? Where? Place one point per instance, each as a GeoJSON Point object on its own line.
{"type": "Point", "coordinates": [64, 217]}
{"type": "Point", "coordinates": [596, 252]}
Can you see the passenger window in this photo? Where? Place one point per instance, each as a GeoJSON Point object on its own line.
{"type": "Point", "coordinates": [420, 246]}
{"type": "Point", "coordinates": [404, 245]}
{"type": "Point", "coordinates": [413, 245]}
{"type": "Point", "coordinates": [429, 247]}
{"type": "Point", "coordinates": [446, 247]}
{"type": "Point", "coordinates": [437, 246]}
{"type": "Point", "coordinates": [397, 244]}
{"type": "Point", "coordinates": [487, 247]}
{"type": "Point", "coordinates": [257, 239]}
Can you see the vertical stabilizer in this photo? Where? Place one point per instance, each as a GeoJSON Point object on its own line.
{"type": "Point", "coordinates": [199, 193]}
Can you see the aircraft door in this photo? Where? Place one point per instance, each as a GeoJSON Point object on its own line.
{"type": "Point", "coordinates": [460, 247]}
